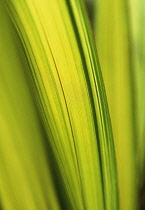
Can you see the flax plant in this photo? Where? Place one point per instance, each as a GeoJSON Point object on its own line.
{"type": "Point", "coordinates": [67, 89]}
{"type": "Point", "coordinates": [71, 108]}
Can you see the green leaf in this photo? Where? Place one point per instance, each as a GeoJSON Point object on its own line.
{"type": "Point", "coordinates": [137, 18]}
{"type": "Point", "coordinates": [113, 40]}
{"type": "Point", "coordinates": [25, 179]}
{"type": "Point", "coordinates": [70, 96]}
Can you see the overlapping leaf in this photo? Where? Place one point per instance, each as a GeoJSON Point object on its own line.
{"type": "Point", "coordinates": [72, 104]}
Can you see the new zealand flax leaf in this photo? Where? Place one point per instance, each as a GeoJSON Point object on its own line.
{"type": "Point", "coordinates": [25, 179]}
{"type": "Point", "coordinates": [69, 94]}
{"type": "Point", "coordinates": [114, 44]}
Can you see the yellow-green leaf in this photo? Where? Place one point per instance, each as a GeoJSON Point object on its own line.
{"type": "Point", "coordinates": [25, 179]}
{"type": "Point", "coordinates": [70, 95]}
{"type": "Point", "coordinates": [113, 40]}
